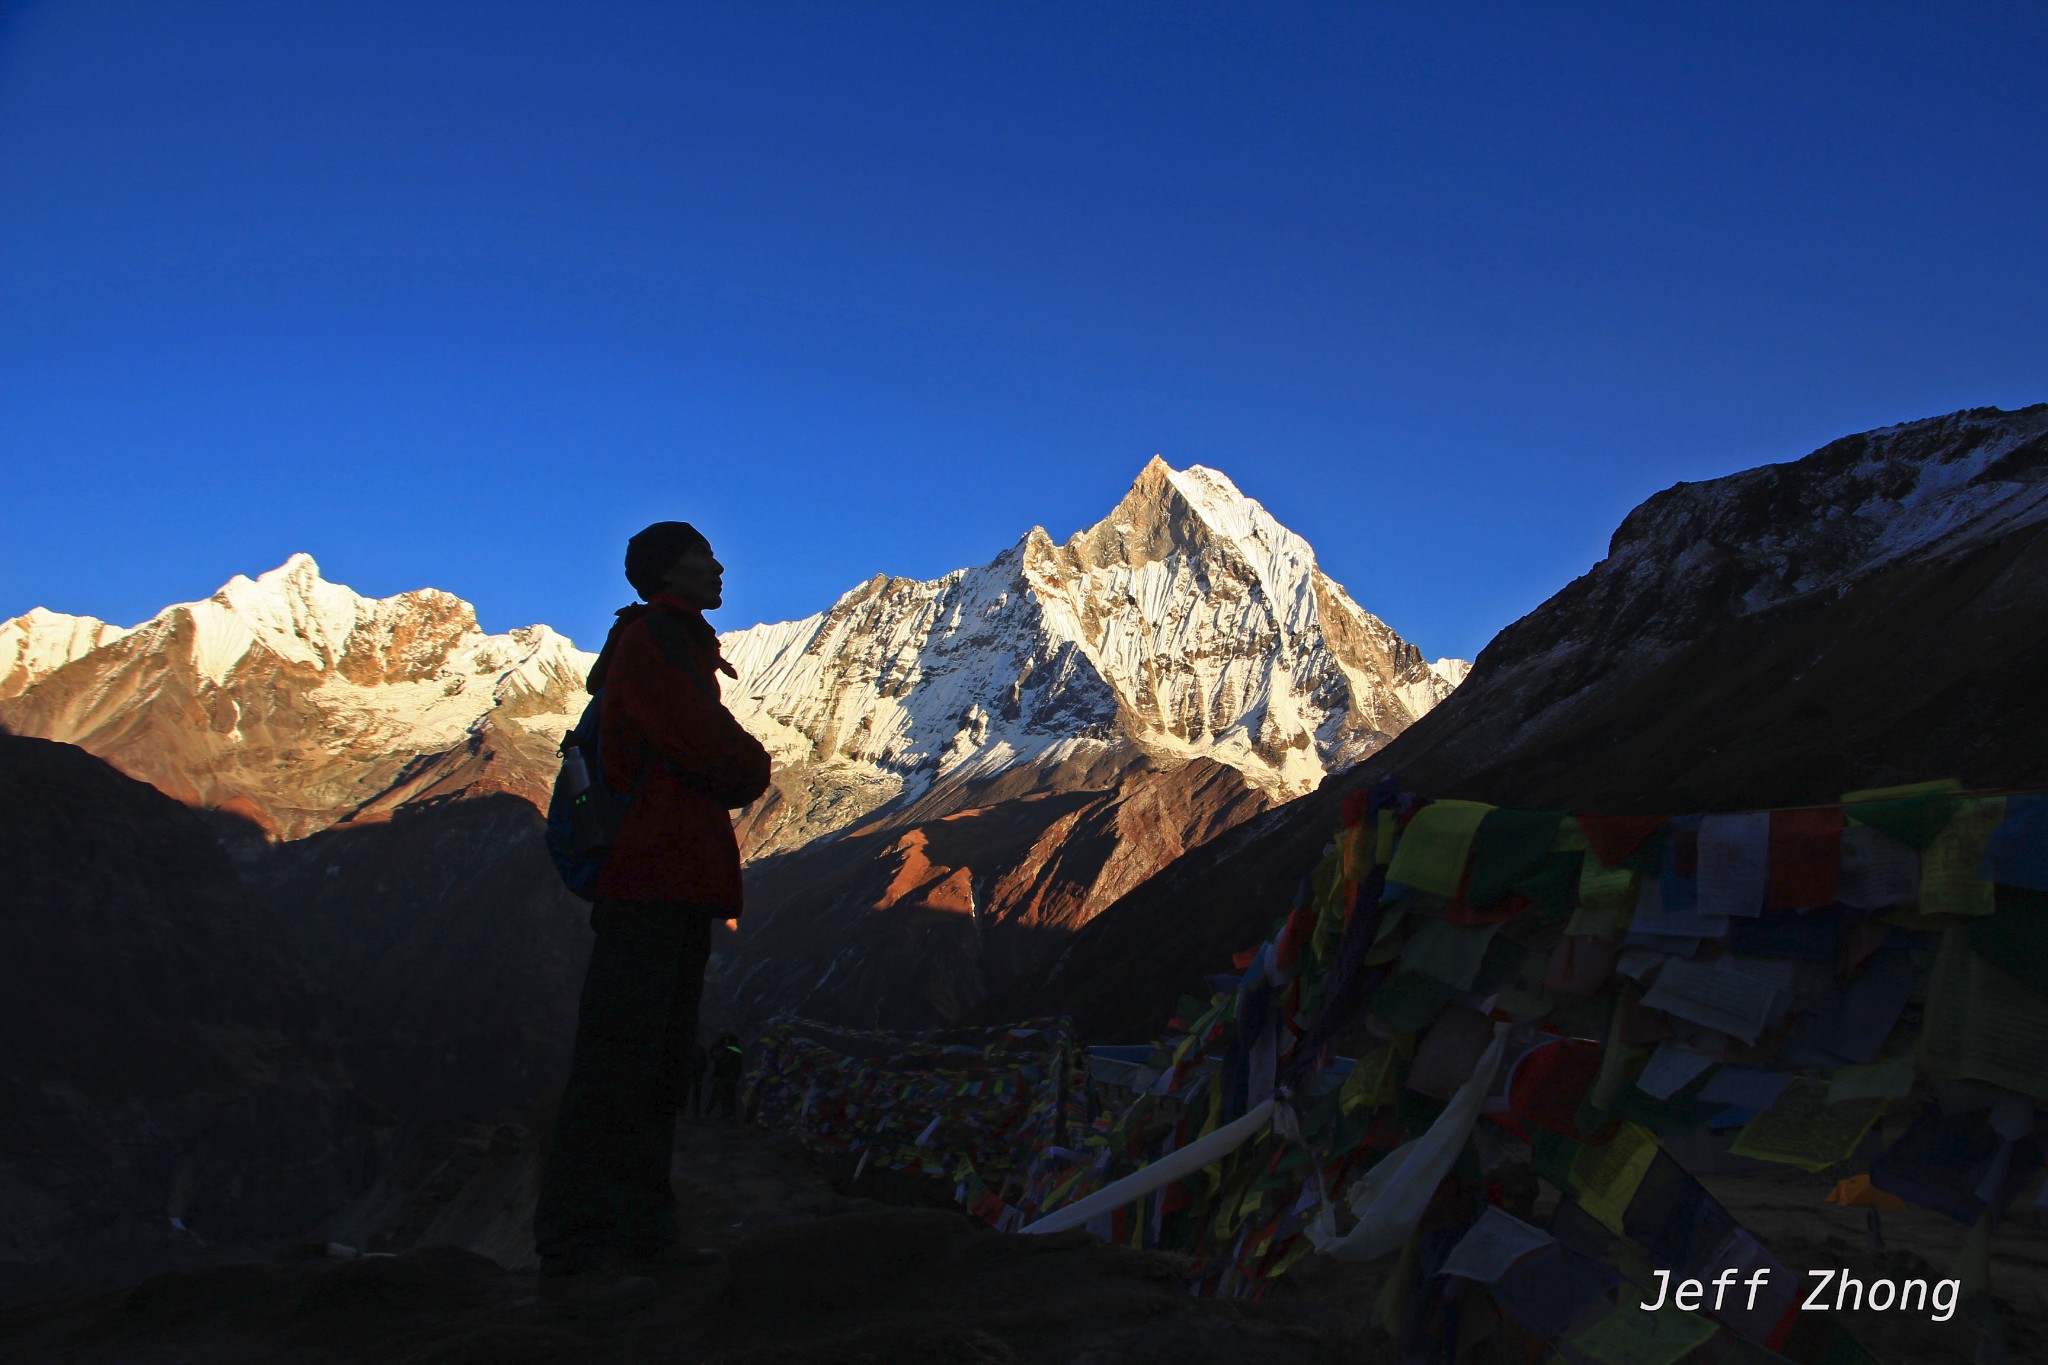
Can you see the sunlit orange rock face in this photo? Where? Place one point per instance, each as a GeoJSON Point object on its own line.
{"type": "Point", "coordinates": [916, 920]}
{"type": "Point", "coordinates": [298, 703]}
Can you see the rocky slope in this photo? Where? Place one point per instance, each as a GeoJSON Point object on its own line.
{"type": "Point", "coordinates": [253, 1039]}
{"type": "Point", "coordinates": [905, 1286]}
{"type": "Point", "coordinates": [298, 703]}
{"type": "Point", "coordinates": [908, 925]}
{"type": "Point", "coordinates": [153, 1063]}
{"type": "Point", "coordinates": [1875, 612]}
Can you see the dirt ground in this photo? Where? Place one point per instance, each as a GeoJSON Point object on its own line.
{"type": "Point", "coordinates": [817, 1272]}
{"type": "Point", "coordinates": [811, 1276]}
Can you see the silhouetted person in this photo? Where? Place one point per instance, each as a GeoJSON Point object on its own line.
{"type": "Point", "coordinates": [606, 1205]}
{"type": "Point", "coordinates": [694, 1103]}
{"type": "Point", "coordinates": [727, 1061]}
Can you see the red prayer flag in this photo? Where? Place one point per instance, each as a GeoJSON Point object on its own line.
{"type": "Point", "coordinates": [1300, 925]}
{"type": "Point", "coordinates": [1551, 1082]}
{"type": "Point", "coordinates": [1806, 858]}
{"type": "Point", "coordinates": [1614, 837]}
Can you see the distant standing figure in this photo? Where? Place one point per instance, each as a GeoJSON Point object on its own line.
{"type": "Point", "coordinates": [727, 1061]}
{"type": "Point", "coordinates": [607, 1206]}
{"type": "Point", "coordinates": [694, 1103]}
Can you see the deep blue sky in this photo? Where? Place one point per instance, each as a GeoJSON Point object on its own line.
{"type": "Point", "coordinates": [460, 295]}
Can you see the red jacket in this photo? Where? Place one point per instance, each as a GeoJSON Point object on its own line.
{"type": "Point", "coordinates": [664, 730]}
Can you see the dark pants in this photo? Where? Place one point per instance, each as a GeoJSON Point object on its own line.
{"type": "Point", "coordinates": [605, 1190]}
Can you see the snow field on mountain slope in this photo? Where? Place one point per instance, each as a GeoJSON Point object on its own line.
{"type": "Point", "coordinates": [39, 642]}
{"type": "Point", "coordinates": [1283, 561]}
{"type": "Point", "coordinates": [1945, 501]}
{"type": "Point", "coordinates": [912, 675]}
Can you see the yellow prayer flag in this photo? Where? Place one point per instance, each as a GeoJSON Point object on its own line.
{"type": "Point", "coordinates": [1802, 1129]}
{"type": "Point", "coordinates": [1302, 1246]}
{"type": "Point", "coordinates": [1436, 846]}
{"type": "Point", "coordinates": [1950, 883]}
{"type": "Point", "coordinates": [1371, 1082]}
{"type": "Point", "coordinates": [1605, 1178]}
{"type": "Point", "coordinates": [1608, 891]}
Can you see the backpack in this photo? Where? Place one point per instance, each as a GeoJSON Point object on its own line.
{"type": "Point", "coordinates": [585, 814]}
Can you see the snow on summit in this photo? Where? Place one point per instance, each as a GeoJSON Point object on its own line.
{"type": "Point", "coordinates": [1187, 623]}
{"type": "Point", "coordinates": [39, 642]}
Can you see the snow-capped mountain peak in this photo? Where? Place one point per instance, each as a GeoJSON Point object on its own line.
{"type": "Point", "coordinates": [1452, 671]}
{"type": "Point", "coordinates": [1282, 559]}
{"type": "Point", "coordinates": [1187, 623]}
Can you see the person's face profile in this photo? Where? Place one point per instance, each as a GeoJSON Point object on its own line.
{"type": "Point", "coordinates": [697, 578]}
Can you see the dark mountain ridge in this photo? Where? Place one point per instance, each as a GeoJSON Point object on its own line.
{"type": "Point", "coordinates": [1876, 612]}
{"type": "Point", "coordinates": [197, 1025]}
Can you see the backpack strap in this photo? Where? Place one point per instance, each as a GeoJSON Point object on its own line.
{"type": "Point", "coordinates": [676, 648]}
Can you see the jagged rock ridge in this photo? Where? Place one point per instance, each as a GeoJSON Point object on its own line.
{"type": "Point", "coordinates": [1768, 636]}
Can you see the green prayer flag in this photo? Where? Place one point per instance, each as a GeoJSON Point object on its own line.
{"type": "Point", "coordinates": [1553, 884]}
{"type": "Point", "coordinates": [1911, 815]}
{"type": "Point", "coordinates": [1554, 1154]}
{"type": "Point", "coordinates": [2016, 938]}
{"type": "Point", "coordinates": [1981, 1023]}
{"type": "Point", "coordinates": [1446, 952]}
{"type": "Point", "coordinates": [1890, 1079]}
{"type": "Point", "coordinates": [1508, 845]}
{"type": "Point", "coordinates": [1409, 1001]}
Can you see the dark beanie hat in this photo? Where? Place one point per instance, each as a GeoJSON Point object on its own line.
{"type": "Point", "coordinates": [651, 554]}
